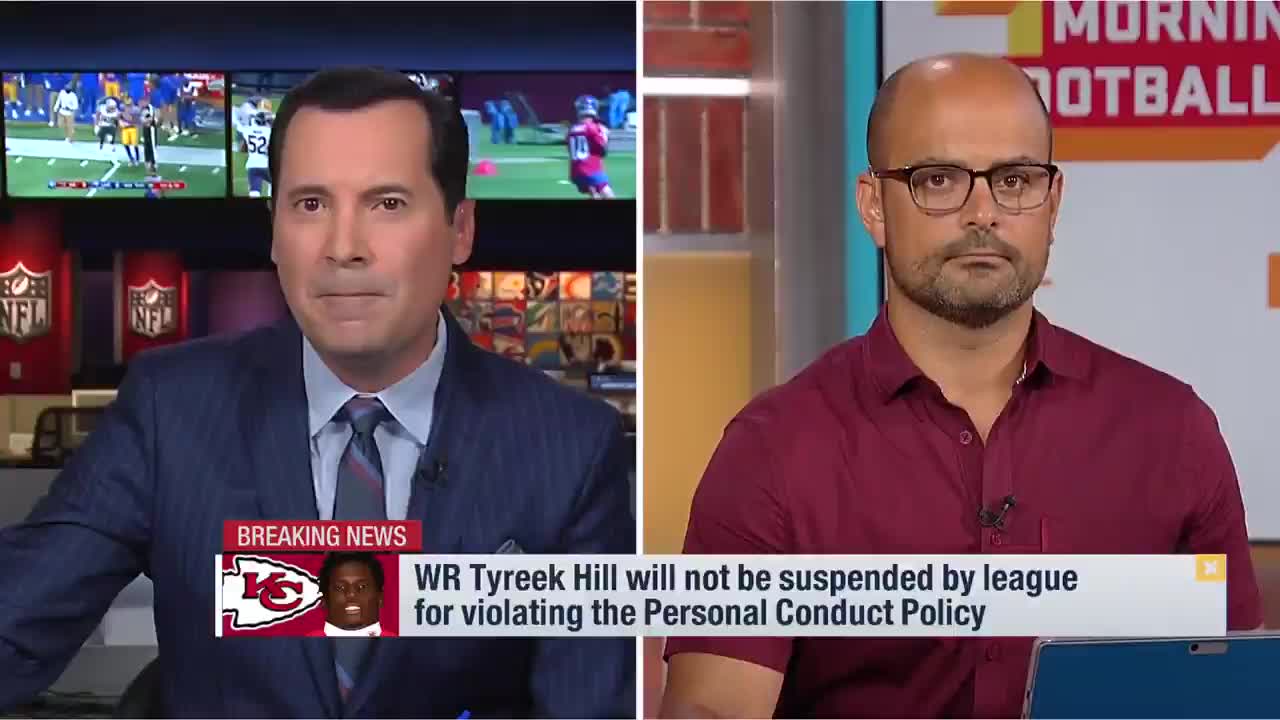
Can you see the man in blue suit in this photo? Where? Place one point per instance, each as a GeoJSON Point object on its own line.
{"type": "Point", "coordinates": [369, 215]}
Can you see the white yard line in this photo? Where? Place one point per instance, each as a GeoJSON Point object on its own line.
{"type": "Point", "coordinates": [104, 178]}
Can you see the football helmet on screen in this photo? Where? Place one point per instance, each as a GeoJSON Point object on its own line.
{"type": "Point", "coordinates": [587, 106]}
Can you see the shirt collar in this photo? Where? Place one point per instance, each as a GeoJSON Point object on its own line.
{"type": "Point", "coordinates": [374, 630]}
{"type": "Point", "coordinates": [893, 369]}
{"type": "Point", "coordinates": [410, 401]}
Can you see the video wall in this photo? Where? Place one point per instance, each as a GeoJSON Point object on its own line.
{"type": "Point", "coordinates": [115, 134]}
{"type": "Point", "coordinates": [202, 134]}
{"type": "Point", "coordinates": [551, 320]}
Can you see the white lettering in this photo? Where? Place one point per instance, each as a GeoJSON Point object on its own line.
{"type": "Point", "coordinates": [1131, 21]}
{"type": "Point", "coordinates": [1065, 20]}
{"type": "Point", "coordinates": [1227, 106]}
{"type": "Point", "coordinates": [1268, 15]}
{"type": "Point", "coordinates": [1044, 84]}
{"type": "Point", "coordinates": [1165, 15]}
{"type": "Point", "coordinates": [1150, 90]}
{"type": "Point", "coordinates": [1262, 106]}
{"type": "Point", "coordinates": [1210, 17]}
{"type": "Point", "coordinates": [1070, 92]}
{"type": "Point", "coordinates": [1111, 77]}
{"type": "Point", "coordinates": [1079, 102]}
{"type": "Point", "coordinates": [1130, 29]}
{"type": "Point", "coordinates": [1192, 92]}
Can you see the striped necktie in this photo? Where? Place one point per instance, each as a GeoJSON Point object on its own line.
{"type": "Point", "coordinates": [360, 495]}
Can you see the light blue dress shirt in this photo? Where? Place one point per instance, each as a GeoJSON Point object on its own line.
{"type": "Point", "coordinates": [411, 402]}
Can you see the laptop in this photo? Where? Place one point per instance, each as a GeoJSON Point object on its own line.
{"type": "Point", "coordinates": [1231, 676]}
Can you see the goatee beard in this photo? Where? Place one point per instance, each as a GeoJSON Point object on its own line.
{"type": "Point", "coordinates": [923, 284]}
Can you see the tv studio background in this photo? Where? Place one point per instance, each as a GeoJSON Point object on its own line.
{"type": "Point", "coordinates": [93, 271]}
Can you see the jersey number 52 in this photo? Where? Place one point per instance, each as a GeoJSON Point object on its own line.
{"type": "Point", "coordinates": [257, 144]}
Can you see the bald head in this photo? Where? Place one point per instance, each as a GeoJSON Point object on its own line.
{"type": "Point", "coordinates": [929, 85]}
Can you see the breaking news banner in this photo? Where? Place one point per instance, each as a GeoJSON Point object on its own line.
{"type": "Point", "coordinates": [370, 578]}
{"type": "Point", "coordinates": [306, 579]}
{"type": "Point", "coordinates": [813, 595]}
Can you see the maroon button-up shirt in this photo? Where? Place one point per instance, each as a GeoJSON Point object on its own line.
{"type": "Point", "coordinates": [861, 454]}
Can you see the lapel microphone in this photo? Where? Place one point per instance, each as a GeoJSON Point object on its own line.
{"type": "Point", "coordinates": [989, 519]}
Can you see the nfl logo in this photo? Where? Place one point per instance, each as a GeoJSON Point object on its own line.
{"type": "Point", "coordinates": [24, 303]}
{"type": "Point", "coordinates": [153, 310]}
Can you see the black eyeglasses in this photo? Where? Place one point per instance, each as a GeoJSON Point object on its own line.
{"type": "Point", "coordinates": [946, 188]}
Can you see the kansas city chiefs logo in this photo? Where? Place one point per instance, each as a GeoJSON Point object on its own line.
{"type": "Point", "coordinates": [260, 592]}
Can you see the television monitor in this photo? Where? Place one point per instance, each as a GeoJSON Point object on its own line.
{"type": "Point", "coordinates": [256, 97]}
{"type": "Point", "coordinates": [527, 129]}
{"type": "Point", "coordinates": [100, 134]}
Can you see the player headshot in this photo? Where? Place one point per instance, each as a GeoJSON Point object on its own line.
{"type": "Point", "coordinates": [588, 143]}
{"type": "Point", "coordinates": [351, 585]}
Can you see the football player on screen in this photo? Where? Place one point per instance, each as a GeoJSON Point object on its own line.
{"type": "Point", "coordinates": [257, 141]}
{"type": "Point", "coordinates": [129, 132]}
{"type": "Point", "coordinates": [242, 115]}
{"type": "Point", "coordinates": [588, 143]}
{"type": "Point", "coordinates": [108, 118]}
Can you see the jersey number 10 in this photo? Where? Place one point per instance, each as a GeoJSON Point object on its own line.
{"type": "Point", "coordinates": [578, 147]}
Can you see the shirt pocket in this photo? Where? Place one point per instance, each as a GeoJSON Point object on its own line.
{"type": "Point", "coordinates": [1024, 536]}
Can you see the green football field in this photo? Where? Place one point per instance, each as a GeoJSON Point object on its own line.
{"type": "Point", "coordinates": [36, 154]}
{"type": "Point", "coordinates": [541, 172]}
{"type": "Point", "coordinates": [523, 171]}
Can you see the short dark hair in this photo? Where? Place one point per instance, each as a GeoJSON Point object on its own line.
{"type": "Point", "coordinates": [361, 87]}
{"type": "Point", "coordinates": [882, 108]}
{"type": "Point", "coordinates": [334, 560]}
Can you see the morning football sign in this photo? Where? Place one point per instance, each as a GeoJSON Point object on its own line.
{"type": "Point", "coordinates": [311, 579]}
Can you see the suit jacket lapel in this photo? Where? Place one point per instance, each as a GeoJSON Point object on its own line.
{"type": "Point", "coordinates": [276, 434]}
{"type": "Point", "coordinates": [441, 505]}
{"type": "Point", "coordinates": [457, 403]}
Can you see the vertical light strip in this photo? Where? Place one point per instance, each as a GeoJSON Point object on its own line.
{"type": "Point", "coordinates": [704, 160]}
{"type": "Point", "coordinates": [117, 305]}
{"type": "Point", "coordinates": [863, 286]}
{"type": "Point", "coordinates": [637, 487]}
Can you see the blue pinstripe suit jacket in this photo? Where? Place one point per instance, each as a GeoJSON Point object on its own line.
{"type": "Point", "coordinates": [217, 429]}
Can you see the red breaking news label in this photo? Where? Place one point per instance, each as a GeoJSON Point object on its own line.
{"type": "Point", "coordinates": [320, 536]}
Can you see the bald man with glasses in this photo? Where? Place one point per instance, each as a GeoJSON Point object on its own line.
{"type": "Point", "coordinates": [964, 421]}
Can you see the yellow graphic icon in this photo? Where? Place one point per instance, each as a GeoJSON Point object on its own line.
{"type": "Point", "coordinates": [1211, 568]}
